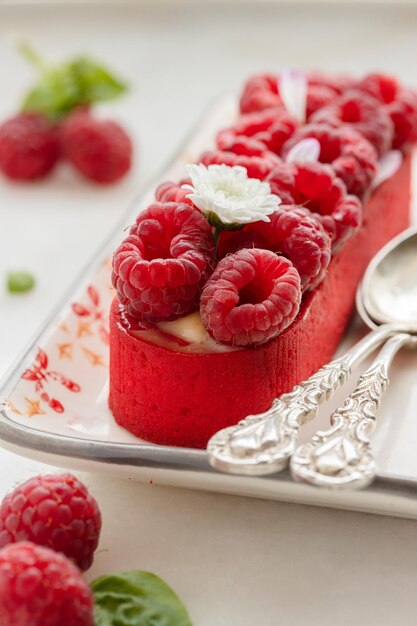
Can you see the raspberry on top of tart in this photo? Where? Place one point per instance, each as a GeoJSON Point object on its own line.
{"type": "Point", "coordinates": [167, 266]}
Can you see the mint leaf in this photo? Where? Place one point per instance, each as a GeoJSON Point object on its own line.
{"type": "Point", "coordinates": [55, 94]}
{"type": "Point", "coordinates": [19, 282]}
{"type": "Point", "coordinates": [96, 83]}
{"type": "Point", "coordinates": [62, 88]}
{"type": "Point", "coordinates": [137, 599]}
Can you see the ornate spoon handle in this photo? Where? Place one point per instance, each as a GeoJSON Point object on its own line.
{"type": "Point", "coordinates": [341, 457]}
{"type": "Point", "coordinates": [263, 443]}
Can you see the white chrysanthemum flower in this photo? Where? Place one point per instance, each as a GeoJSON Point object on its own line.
{"type": "Point", "coordinates": [229, 194]}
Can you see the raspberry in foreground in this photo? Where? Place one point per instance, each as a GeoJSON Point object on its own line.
{"type": "Point", "coordinates": [252, 296]}
{"type": "Point", "coordinates": [99, 149]}
{"type": "Point", "coordinates": [39, 587]}
{"type": "Point", "coordinates": [29, 147]}
{"type": "Point", "coordinates": [55, 511]}
{"type": "Point", "coordinates": [161, 267]}
{"type": "Point", "coordinates": [293, 232]}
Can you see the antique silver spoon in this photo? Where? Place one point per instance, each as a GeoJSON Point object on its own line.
{"type": "Point", "coordinates": [262, 444]}
{"type": "Point", "coordinates": [341, 457]}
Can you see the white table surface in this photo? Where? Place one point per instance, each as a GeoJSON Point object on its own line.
{"type": "Point", "coordinates": [234, 561]}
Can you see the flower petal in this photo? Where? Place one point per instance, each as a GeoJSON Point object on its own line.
{"type": "Point", "coordinates": [304, 151]}
{"type": "Point", "coordinates": [292, 88]}
{"type": "Point", "coordinates": [230, 194]}
{"type": "Point", "coordinates": [388, 165]}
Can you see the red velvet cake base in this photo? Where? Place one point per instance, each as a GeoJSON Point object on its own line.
{"type": "Point", "coordinates": [182, 399]}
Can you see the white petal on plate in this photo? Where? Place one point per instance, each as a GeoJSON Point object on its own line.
{"type": "Point", "coordinates": [303, 151]}
{"type": "Point", "coordinates": [292, 87]}
{"type": "Point", "coordinates": [388, 165]}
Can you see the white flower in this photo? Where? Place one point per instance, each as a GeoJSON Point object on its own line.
{"type": "Point", "coordinates": [230, 194]}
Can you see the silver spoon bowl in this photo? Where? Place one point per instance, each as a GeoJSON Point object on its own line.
{"type": "Point", "coordinates": [263, 444]}
{"type": "Point", "coordinates": [389, 286]}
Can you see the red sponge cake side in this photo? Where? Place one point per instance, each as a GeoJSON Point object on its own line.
{"type": "Point", "coordinates": [181, 398]}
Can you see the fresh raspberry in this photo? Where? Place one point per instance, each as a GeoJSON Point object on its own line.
{"type": "Point", "coordinates": [352, 157]}
{"type": "Point", "coordinates": [361, 112]}
{"type": "Point", "coordinates": [323, 88]}
{"type": "Point", "coordinates": [161, 267]}
{"type": "Point", "coordinates": [256, 166]}
{"type": "Point", "coordinates": [281, 181]}
{"type": "Point", "coordinates": [399, 102]}
{"type": "Point", "coordinates": [338, 83]}
{"type": "Point", "coordinates": [261, 92]}
{"type": "Point", "coordinates": [268, 129]}
{"type": "Point", "coordinates": [29, 147]}
{"type": "Point", "coordinates": [252, 296]}
{"type": "Point", "coordinates": [99, 149]}
{"type": "Point", "coordinates": [316, 187]}
{"type": "Point", "coordinates": [293, 232]}
{"type": "Point", "coordinates": [318, 97]}
{"type": "Point", "coordinates": [173, 192]}
{"type": "Point", "coordinates": [39, 587]}
{"type": "Point", "coordinates": [241, 145]}
{"type": "Point", "coordinates": [55, 511]}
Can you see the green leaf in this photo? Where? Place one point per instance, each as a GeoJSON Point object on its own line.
{"type": "Point", "coordinates": [96, 82]}
{"type": "Point", "coordinates": [19, 282]}
{"type": "Point", "coordinates": [55, 94]}
{"type": "Point", "coordinates": [62, 88]}
{"type": "Point", "coordinates": [137, 599]}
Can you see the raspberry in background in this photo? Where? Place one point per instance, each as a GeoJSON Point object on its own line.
{"type": "Point", "coordinates": [352, 157]}
{"type": "Point", "coordinates": [161, 267]}
{"type": "Point", "coordinates": [338, 82]}
{"type": "Point", "coordinates": [293, 232]}
{"type": "Point", "coordinates": [99, 149]}
{"type": "Point", "coordinates": [256, 166]}
{"type": "Point", "coordinates": [173, 192]}
{"type": "Point", "coordinates": [268, 129]}
{"type": "Point", "coordinates": [316, 187]}
{"type": "Point", "coordinates": [55, 511]}
{"type": "Point", "coordinates": [400, 103]}
{"type": "Point", "coordinates": [241, 145]}
{"type": "Point", "coordinates": [261, 92]}
{"type": "Point", "coordinates": [29, 146]}
{"type": "Point", "coordinates": [252, 296]}
{"type": "Point", "coordinates": [364, 114]}
{"type": "Point", "coordinates": [39, 587]}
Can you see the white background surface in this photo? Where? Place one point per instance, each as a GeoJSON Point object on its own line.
{"type": "Point", "coordinates": [234, 561]}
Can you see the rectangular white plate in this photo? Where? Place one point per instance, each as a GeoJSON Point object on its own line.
{"type": "Point", "coordinates": [54, 402]}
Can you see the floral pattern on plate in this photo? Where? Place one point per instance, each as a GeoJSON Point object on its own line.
{"type": "Point", "coordinates": [77, 350]}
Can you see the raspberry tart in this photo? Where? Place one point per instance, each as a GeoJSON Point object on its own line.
{"type": "Point", "coordinates": [239, 280]}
